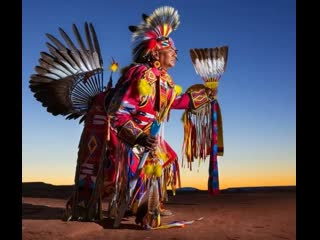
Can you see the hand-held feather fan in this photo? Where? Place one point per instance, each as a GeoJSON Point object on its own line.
{"type": "Point", "coordinates": [210, 64]}
{"type": "Point", "coordinates": [203, 127]}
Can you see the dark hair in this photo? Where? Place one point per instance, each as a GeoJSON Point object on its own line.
{"type": "Point", "coordinates": [148, 58]}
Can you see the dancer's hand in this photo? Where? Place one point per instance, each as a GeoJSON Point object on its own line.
{"type": "Point", "coordinates": [148, 141]}
{"type": "Point", "coordinates": [211, 93]}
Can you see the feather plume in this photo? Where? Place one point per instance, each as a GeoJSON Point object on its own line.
{"type": "Point", "coordinates": [209, 63]}
{"type": "Point", "coordinates": [145, 17]}
{"type": "Point", "coordinates": [153, 201]}
{"type": "Point", "coordinates": [133, 28]}
{"type": "Point", "coordinates": [144, 88]}
{"type": "Point", "coordinates": [64, 57]}
{"type": "Point", "coordinates": [178, 89]}
{"type": "Point", "coordinates": [62, 65]}
{"type": "Point", "coordinates": [52, 68]}
{"type": "Point", "coordinates": [96, 45]}
{"type": "Point", "coordinates": [80, 53]}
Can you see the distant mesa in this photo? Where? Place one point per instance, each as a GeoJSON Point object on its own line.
{"type": "Point", "coordinates": [261, 189]}
{"type": "Point", "coordinates": [45, 190]}
{"type": "Point", "coordinates": [243, 189]}
{"type": "Point", "coordinates": [187, 189]}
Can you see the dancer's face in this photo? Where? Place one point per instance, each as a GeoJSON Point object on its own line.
{"type": "Point", "coordinates": [167, 58]}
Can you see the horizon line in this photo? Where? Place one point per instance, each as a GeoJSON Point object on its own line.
{"type": "Point", "coordinates": [183, 187]}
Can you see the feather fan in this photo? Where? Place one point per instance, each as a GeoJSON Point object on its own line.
{"type": "Point", "coordinates": [209, 63]}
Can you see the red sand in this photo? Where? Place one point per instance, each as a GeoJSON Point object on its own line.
{"type": "Point", "coordinates": [230, 216]}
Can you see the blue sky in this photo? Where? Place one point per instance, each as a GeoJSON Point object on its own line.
{"type": "Point", "coordinates": [257, 93]}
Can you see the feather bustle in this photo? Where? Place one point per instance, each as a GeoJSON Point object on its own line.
{"type": "Point", "coordinates": [67, 76]}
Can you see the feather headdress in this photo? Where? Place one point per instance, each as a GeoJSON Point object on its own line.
{"type": "Point", "coordinates": [153, 32]}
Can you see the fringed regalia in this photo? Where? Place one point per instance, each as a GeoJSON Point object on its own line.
{"type": "Point", "coordinates": [137, 111]}
{"type": "Point", "coordinates": [110, 164]}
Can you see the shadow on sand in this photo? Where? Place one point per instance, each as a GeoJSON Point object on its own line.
{"type": "Point", "coordinates": [107, 223]}
{"type": "Point", "coordinates": [40, 212]}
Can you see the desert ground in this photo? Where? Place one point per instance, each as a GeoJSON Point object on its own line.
{"type": "Point", "coordinates": [231, 215]}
